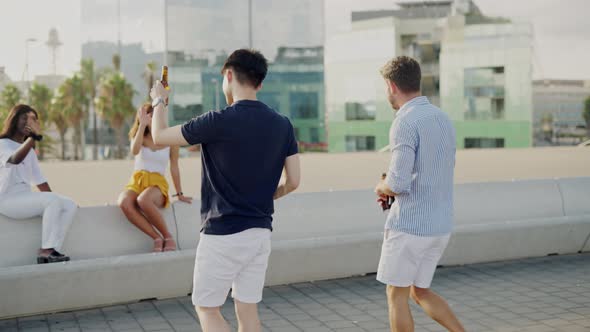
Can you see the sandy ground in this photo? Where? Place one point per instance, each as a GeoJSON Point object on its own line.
{"type": "Point", "coordinates": [99, 183]}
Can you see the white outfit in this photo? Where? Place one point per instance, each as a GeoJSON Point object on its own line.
{"type": "Point", "coordinates": [18, 201]}
{"type": "Point", "coordinates": [237, 261]}
{"type": "Point", "coordinates": [408, 259]}
{"type": "Point", "coordinates": [152, 161]}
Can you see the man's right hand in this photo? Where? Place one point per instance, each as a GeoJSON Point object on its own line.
{"type": "Point", "coordinates": [383, 201]}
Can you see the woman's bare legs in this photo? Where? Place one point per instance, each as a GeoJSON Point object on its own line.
{"type": "Point", "coordinates": [151, 201]}
{"type": "Point", "coordinates": [128, 202]}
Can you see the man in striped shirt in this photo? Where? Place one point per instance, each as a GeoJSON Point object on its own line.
{"type": "Point", "coordinates": [420, 177]}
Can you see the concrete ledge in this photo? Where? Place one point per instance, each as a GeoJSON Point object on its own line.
{"type": "Point", "coordinates": [516, 239]}
{"type": "Point", "coordinates": [28, 290]}
{"type": "Point", "coordinates": [301, 216]}
{"type": "Point", "coordinates": [323, 258]}
{"type": "Point", "coordinates": [575, 193]}
{"type": "Point", "coordinates": [576, 196]}
{"type": "Point", "coordinates": [497, 202]}
{"type": "Point", "coordinates": [317, 236]}
{"type": "Point", "coordinates": [101, 231]}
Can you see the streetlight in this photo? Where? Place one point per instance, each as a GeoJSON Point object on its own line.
{"type": "Point", "coordinates": [250, 23]}
{"type": "Point", "coordinates": [119, 27]}
{"type": "Point", "coordinates": [165, 32]}
{"type": "Point", "coordinates": [25, 77]}
{"type": "Point", "coordinates": [216, 82]}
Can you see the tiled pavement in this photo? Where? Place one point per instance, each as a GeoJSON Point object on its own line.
{"type": "Point", "coordinates": [541, 294]}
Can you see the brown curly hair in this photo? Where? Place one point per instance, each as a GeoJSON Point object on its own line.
{"type": "Point", "coordinates": [404, 72]}
{"type": "Point", "coordinates": [11, 122]}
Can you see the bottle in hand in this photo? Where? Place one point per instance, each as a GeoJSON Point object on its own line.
{"type": "Point", "coordinates": [164, 78]}
{"type": "Point", "coordinates": [386, 205]}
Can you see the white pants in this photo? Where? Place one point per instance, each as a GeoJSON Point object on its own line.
{"type": "Point", "coordinates": [237, 261]}
{"type": "Point", "coordinates": [408, 260]}
{"type": "Point", "coordinates": [57, 211]}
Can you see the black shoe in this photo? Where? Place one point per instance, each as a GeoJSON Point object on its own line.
{"type": "Point", "coordinates": [54, 257]}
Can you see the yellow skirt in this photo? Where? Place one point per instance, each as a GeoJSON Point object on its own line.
{"type": "Point", "coordinates": [141, 180]}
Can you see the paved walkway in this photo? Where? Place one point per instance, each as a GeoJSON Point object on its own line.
{"type": "Point", "coordinates": [541, 294]}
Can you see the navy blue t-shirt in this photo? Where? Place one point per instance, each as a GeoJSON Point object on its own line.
{"type": "Point", "coordinates": [243, 151]}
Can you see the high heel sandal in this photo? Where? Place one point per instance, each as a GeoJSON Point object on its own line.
{"type": "Point", "coordinates": [158, 244]}
{"type": "Point", "coordinates": [169, 244]}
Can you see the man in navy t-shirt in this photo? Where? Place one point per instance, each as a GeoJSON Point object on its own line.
{"type": "Point", "coordinates": [245, 148]}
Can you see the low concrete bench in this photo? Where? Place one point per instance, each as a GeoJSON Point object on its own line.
{"type": "Point", "coordinates": [317, 236]}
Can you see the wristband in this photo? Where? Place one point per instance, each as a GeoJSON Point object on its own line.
{"type": "Point", "coordinates": [37, 138]}
{"type": "Point", "coordinates": [157, 101]}
{"type": "Point", "coordinates": [178, 194]}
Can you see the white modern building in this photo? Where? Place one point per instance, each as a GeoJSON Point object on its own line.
{"type": "Point", "coordinates": [486, 75]}
{"type": "Point", "coordinates": [558, 108]}
{"type": "Point", "coordinates": [477, 68]}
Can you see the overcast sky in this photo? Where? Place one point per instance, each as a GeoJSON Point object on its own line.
{"type": "Point", "coordinates": [561, 29]}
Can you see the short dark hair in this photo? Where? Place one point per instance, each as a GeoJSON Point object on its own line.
{"type": "Point", "coordinates": [11, 122]}
{"type": "Point", "coordinates": [404, 72]}
{"type": "Point", "coordinates": [250, 66]}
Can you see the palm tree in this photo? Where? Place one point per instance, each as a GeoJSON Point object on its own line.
{"type": "Point", "coordinates": [90, 81]}
{"type": "Point", "coordinates": [149, 76]}
{"type": "Point", "coordinates": [57, 117]}
{"type": "Point", "coordinates": [74, 102]}
{"type": "Point", "coordinates": [40, 96]}
{"type": "Point", "coordinates": [10, 96]}
{"type": "Point", "coordinates": [115, 102]}
{"type": "Point", "coordinates": [117, 62]}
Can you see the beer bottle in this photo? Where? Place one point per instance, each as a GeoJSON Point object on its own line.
{"type": "Point", "coordinates": [164, 78]}
{"type": "Point", "coordinates": [390, 199]}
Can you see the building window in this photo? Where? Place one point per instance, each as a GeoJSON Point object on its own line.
{"type": "Point", "coordinates": [185, 113]}
{"type": "Point", "coordinates": [429, 86]}
{"type": "Point", "coordinates": [479, 142]}
{"type": "Point", "coordinates": [304, 105]}
{"type": "Point", "coordinates": [497, 108]}
{"type": "Point", "coordinates": [360, 143]}
{"type": "Point", "coordinates": [271, 99]}
{"type": "Point", "coordinates": [360, 111]}
{"type": "Point", "coordinates": [314, 135]}
{"type": "Point", "coordinates": [484, 93]}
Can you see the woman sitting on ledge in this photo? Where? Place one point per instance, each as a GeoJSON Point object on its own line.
{"type": "Point", "coordinates": [147, 190]}
{"type": "Point", "coordinates": [19, 169]}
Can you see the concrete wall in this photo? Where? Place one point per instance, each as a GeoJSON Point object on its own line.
{"type": "Point", "coordinates": [317, 236]}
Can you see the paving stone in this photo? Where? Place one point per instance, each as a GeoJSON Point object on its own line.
{"type": "Point", "coordinates": [540, 294]}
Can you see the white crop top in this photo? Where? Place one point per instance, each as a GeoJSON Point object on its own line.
{"type": "Point", "coordinates": [152, 161]}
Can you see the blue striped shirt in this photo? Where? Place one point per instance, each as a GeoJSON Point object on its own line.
{"type": "Point", "coordinates": [422, 142]}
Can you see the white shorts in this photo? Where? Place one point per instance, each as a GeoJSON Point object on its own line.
{"type": "Point", "coordinates": [237, 261]}
{"type": "Point", "coordinates": [408, 260]}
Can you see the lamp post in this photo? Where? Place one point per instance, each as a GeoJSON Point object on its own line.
{"type": "Point", "coordinates": [250, 24]}
{"type": "Point", "coordinates": [25, 77]}
{"type": "Point", "coordinates": [165, 60]}
{"type": "Point", "coordinates": [216, 82]}
{"type": "Point", "coordinates": [119, 27]}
